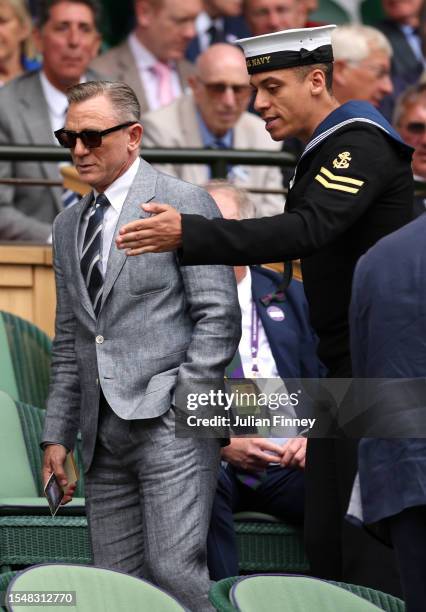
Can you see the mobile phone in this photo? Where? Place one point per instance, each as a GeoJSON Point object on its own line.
{"type": "Point", "coordinates": [54, 494]}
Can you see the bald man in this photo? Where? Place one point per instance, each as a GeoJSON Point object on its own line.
{"type": "Point", "coordinates": [214, 116]}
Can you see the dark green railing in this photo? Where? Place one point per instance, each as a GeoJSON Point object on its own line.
{"type": "Point", "coordinates": [215, 158]}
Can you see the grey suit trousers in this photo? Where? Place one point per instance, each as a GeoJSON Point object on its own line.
{"type": "Point", "coordinates": [149, 498]}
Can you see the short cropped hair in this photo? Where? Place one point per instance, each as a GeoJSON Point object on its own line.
{"type": "Point", "coordinates": [44, 6]}
{"type": "Point", "coordinates": [327, 68]}
{"type": "Point", "coordinates": [246, 208]}
{"type": "Point", "coordinates": [121, 96]}
{"type": "Point", "coordinates": [353, 42]}
{"type": "Point", "coordinates": [416, 94]}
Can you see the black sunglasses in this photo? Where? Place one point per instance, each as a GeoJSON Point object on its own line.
{"type": "Point", "coordinates": [90, 138]}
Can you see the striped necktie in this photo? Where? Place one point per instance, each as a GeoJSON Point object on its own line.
{"type": "Point", "coordinates": [69, 197]}
{"type": "Point", "coordinates": [91, 261]}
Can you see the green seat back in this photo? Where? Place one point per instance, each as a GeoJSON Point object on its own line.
{"type": "Point", "coordinates": [294, 594]}
{"type": "Point", "coordinates": [7, 373]}
{"type": "Point", "coordinates": [97, 590]}
{"type": "Point", "coordinates": [29, 353]}
{"type": "Point", "coordinates": [16, 477]}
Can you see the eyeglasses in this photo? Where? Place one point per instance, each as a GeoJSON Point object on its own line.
{"type": "Point", "coordinates": [417, 128]}
{"type": "Point", "coordinates": [90, 138]}
{"type": "Point", "coordinates": [218, 89]}
{"type": "Point", "coordinates": [380, 72]}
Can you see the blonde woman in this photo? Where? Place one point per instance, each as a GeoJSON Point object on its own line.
{"type": "Point", "coordinates": [16, 49]}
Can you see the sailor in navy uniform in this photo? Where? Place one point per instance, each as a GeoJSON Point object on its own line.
{"type": "Point", "coordinates": [352, 185]}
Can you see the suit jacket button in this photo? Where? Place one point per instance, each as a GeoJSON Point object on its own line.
{"type": "Point", "coordinates": [99, 339]}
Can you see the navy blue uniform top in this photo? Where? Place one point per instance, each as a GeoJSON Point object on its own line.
{"type": "Point", "coordinates": [353, 185]}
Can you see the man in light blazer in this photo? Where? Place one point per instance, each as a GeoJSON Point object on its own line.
{"type": "Point", "coordinates": [34, 105]}
{"type": "Point", "coordinates": [132, 334]}
{"type": "Point", "coordinates": [151, 59]}
{"type": "Point", "coordinates": [215, 116]}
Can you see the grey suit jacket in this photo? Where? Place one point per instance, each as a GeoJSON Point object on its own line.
{"type": "Point", "coordinates": [159, 325]}
{"type": "Point", "coordinates": [176, 125]}
{"type": "Point", "coordinates": [27, 213]}
{"type": "Point", "coordinates": [119, 63]}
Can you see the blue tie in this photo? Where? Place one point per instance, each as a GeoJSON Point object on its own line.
{"type": "Point", "coordinates": [91, 260]}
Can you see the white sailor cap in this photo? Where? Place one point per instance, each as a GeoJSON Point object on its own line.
{"type": "Point", "coordinates": [287, 49]}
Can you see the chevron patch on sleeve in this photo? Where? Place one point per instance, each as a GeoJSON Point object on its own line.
{"type": "Point", "coordinates": [338, 183]}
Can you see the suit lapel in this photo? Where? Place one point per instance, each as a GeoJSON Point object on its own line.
{"type": "Point", "coordinates": [128, 72]}
{"type": "Point", "coordinates": [35, 115]}
{"type": "Point", "coordinates": [142, 190]}
{"type": "Point", "coordinates": [79, 210]}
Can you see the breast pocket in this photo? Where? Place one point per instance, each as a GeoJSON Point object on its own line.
{"type": "Point", "coordinates": [151, 273]}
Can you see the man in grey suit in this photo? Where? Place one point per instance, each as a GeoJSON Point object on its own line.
{"type": "Point", "coordinates": [34, 105]}
{"type": "Point", "coordinates": [151, 59]}
{"type": "Point", "coordinates": [132, 334]}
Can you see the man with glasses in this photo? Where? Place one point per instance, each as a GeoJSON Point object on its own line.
{"type": "Point", "coordinates": [215, 116]}
{"type": "Point", "coordinates": [362, 64]}
{"type": "Point", "coordinates": [132, 334]}
{"type": "Point", "coordinates": [410, 121]}
{"type": "Point", "coordinates": [34, 105]}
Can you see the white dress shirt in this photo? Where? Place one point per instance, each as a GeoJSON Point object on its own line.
{"type": "Point", "coordinates": [145, 61]}
{"type": "Point", "coordinates": [57, 103]}
{"type": "Point", "coordinates": [265, 359]}
{"type": "Point", "coordinates": [116, 194]}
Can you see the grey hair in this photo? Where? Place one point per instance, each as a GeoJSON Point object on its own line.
{"type": "Point", "coordinates": [246, 208]}
{"type": "Point", "coordinates": [353, 43]}
{"type": "Point", "coordinates": [416, 94]}
{"type": "Point", "coordinates": [121, 96]}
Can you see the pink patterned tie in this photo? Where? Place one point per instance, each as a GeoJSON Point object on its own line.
{"type": "Point", "coordinates": [164, 83]}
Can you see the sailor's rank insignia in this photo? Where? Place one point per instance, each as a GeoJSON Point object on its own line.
{"type": "Point", "coordinates": [338, 183]}
{"type": "Point", "coordinates": [342, 160]}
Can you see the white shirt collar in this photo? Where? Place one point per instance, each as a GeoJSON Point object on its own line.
{"type": "Point", "coordinates": [56, 100]}
{"type": "Point", "coordinates": [143, 57]}
{"type": "Point", "coordinates": [204, 21]}
{"type": "Point", "coordinates": [118, 190]}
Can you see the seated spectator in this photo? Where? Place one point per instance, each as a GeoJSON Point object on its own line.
{"type": "Point", "coordinates": [266, 16]}
{"type": "Point", "coordinates": [16, 47]}
{"type": "Point", "coordinates": [261, 474]}
{"type": "Point", "coordinates": [215, 116]}
{"type": "Point", "coordinates": [410, 121]}
{"type": "Point", "coordinates": [362, 60]}
{"type": "Point", "coordinates": [151, 59]}
{"type": "Point", "coordinates": [34, 105]}
{"type": "Point", "coordinates": [401, 27]}
{"type": "Point", "coordinates": [220, 21]}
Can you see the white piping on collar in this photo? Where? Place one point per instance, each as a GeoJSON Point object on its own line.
{"type": "Point", "coordinates": [318, 139]}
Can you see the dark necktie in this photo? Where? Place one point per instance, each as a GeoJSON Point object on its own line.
{"type": "Point", "coordinates": [219, 143]}
{"type": "Point", "coordinates": [216, 34]}
{"type": "Point", "coordinates": [90, 262]}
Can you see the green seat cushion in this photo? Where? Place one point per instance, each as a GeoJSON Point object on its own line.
{"type": "Point", "coordinates": [97, 590]}
{"type": "Point", "coordinates": [294, 594]}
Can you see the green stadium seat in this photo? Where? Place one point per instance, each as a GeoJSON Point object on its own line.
{"type": "Point", "coordinates": [96, 590]}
